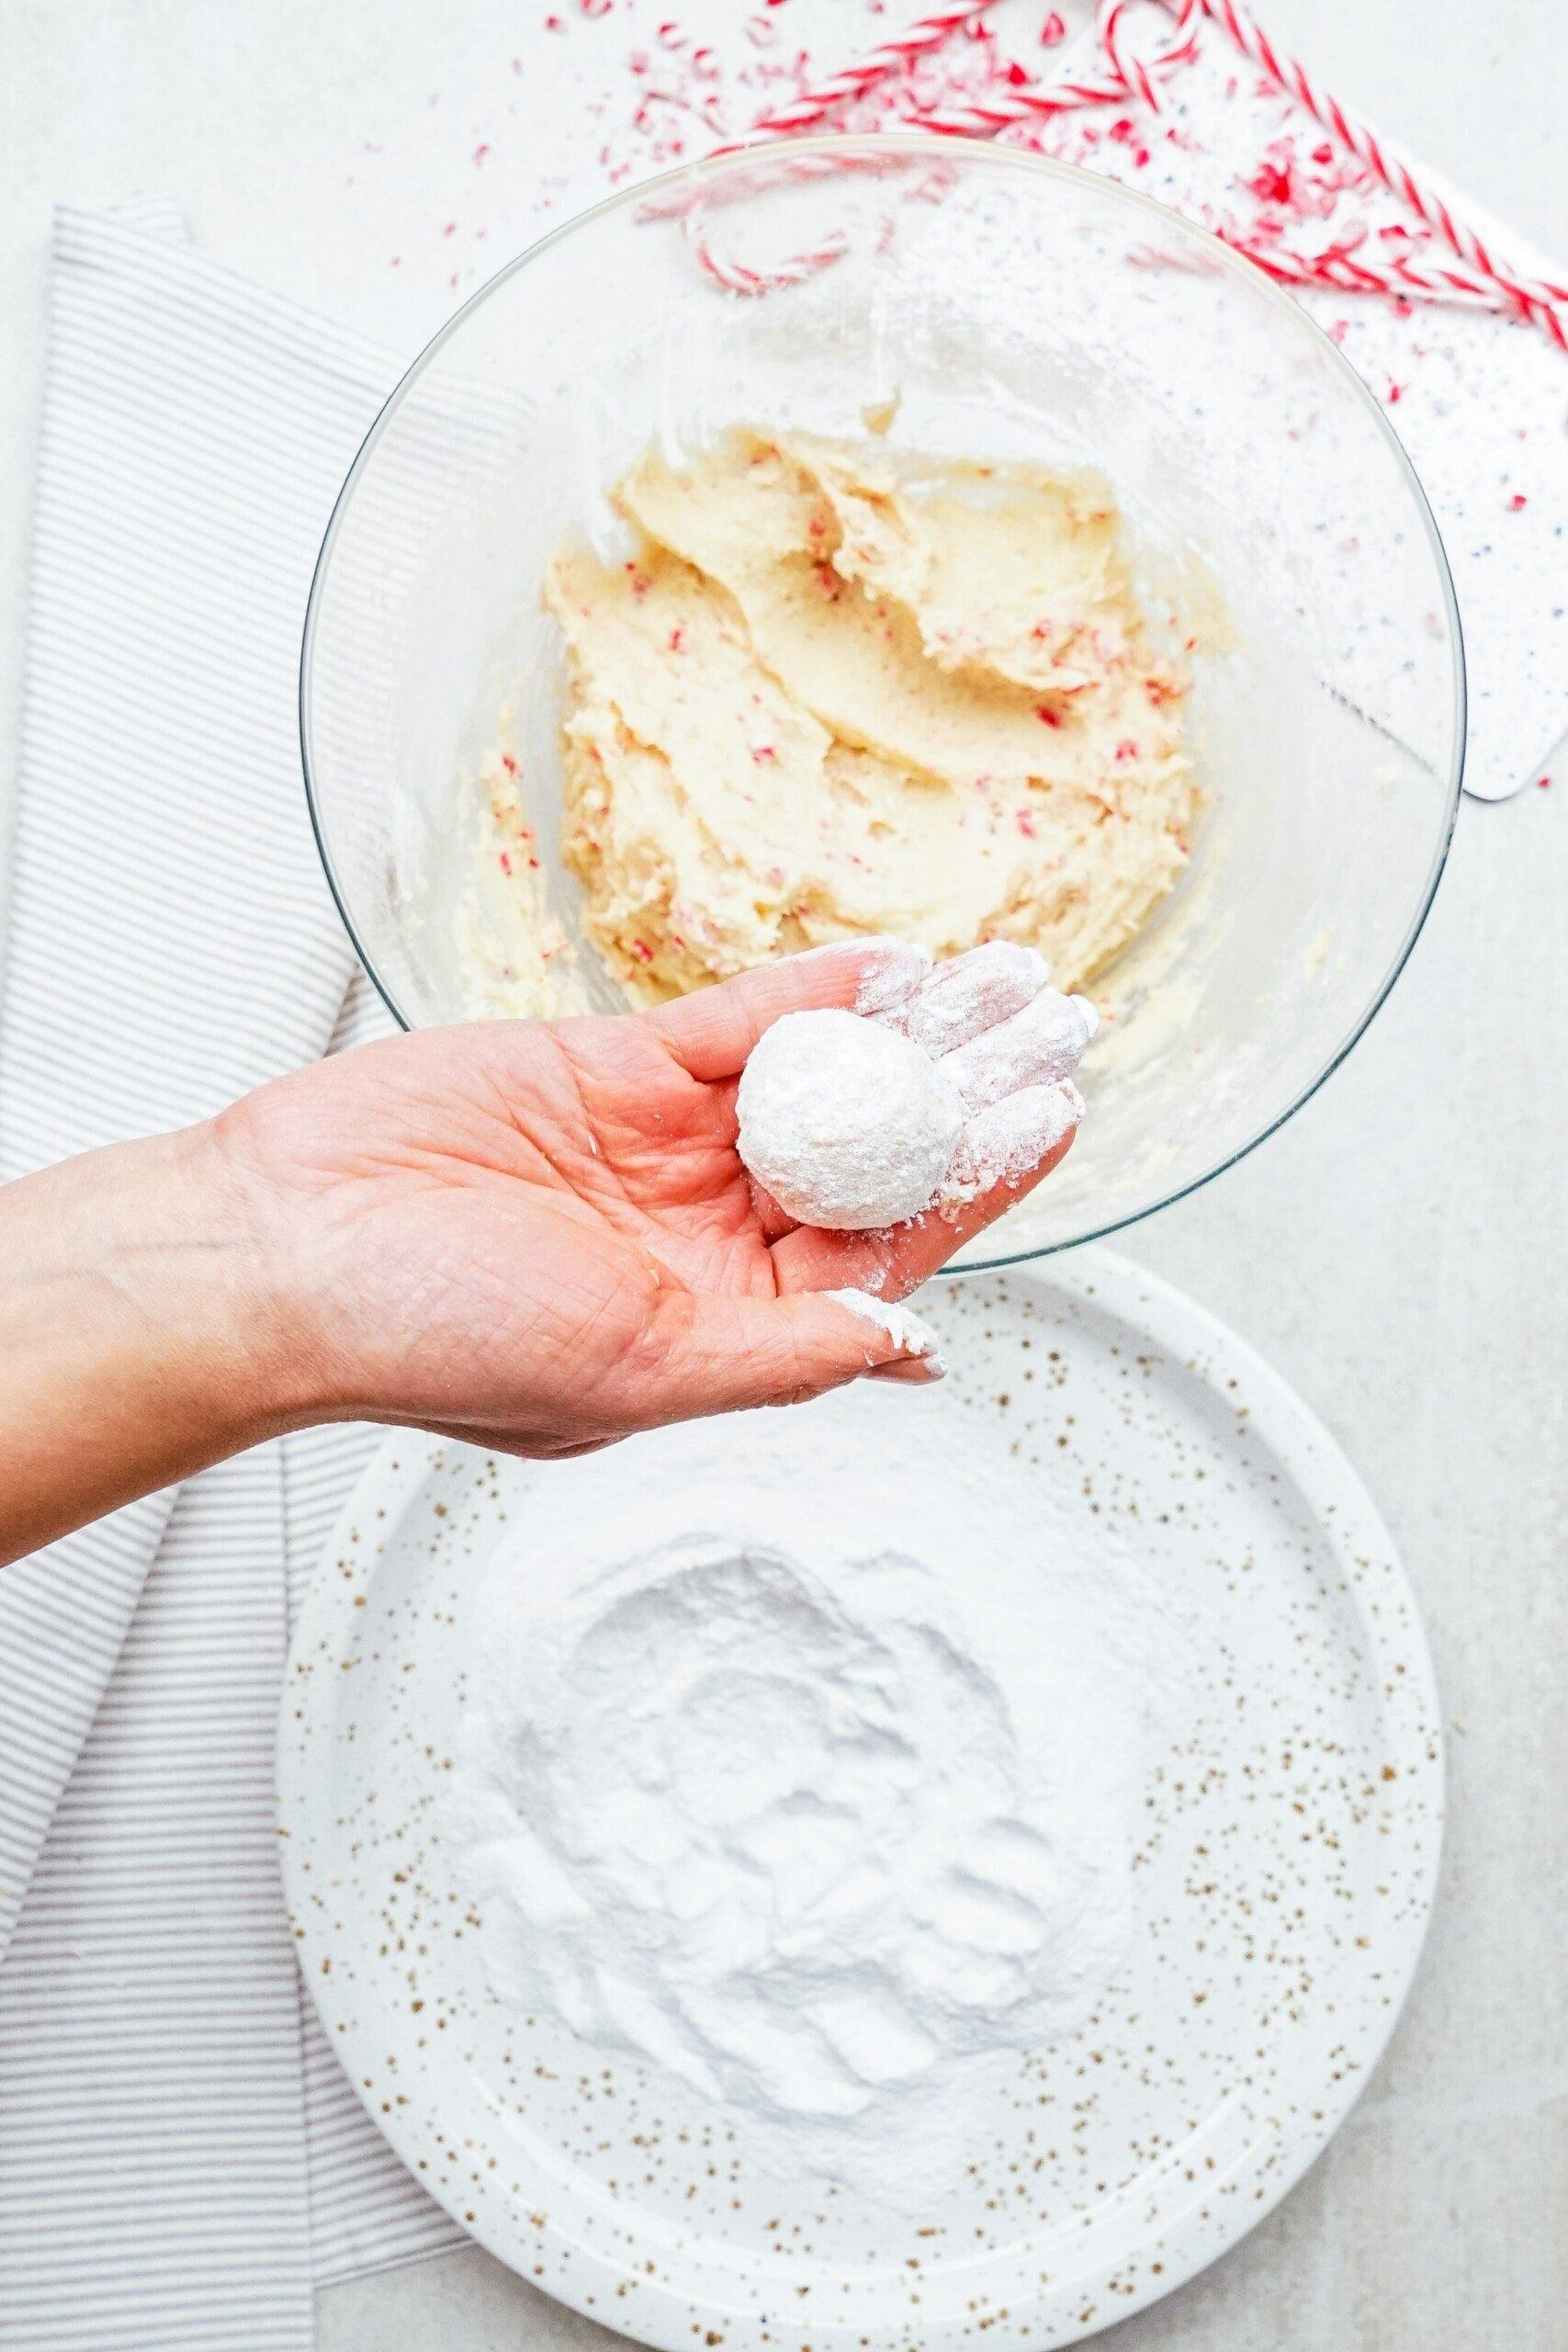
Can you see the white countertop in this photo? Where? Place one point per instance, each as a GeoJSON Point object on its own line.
{"type": "Point", "coordinates": [1396, 1250]}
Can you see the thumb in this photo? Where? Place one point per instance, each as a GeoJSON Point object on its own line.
{"type": "Point", "coordinates": [729, 1353]}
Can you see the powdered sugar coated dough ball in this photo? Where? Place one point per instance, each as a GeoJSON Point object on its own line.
{"type": "Point", "coordinates": [847, 1124]}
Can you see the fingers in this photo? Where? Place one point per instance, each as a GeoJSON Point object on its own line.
{"type": "Point", "coordinates": [916, 1340]}
{"type": "Point", "coordinates": [1012, 1148]}
{"type": "Point", "coordinates": [972, 993]}
{"type": "Point", "coordinates": [1037, 1047]}
{"type": "Point", "coordinates": [916, 1374]}
{"type": "Point", "coordinates": [1004, 1037]}
{"type": "Point", "coordinates": [727, 1355]}
{"type": "Point", "coordinates": [1004, 1143]}
{"type": "Point", "coordinates": [710, 1354]}
{"type": "Point", "coordinates": [712, 1031]}
{"type": "Point", "coordinates": [1007, 1042]}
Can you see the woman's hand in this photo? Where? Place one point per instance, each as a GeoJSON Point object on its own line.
{"type": "Point", "coordinates": [538, 1236]}
{"type": "Point", "coordinates": [535, 1235]}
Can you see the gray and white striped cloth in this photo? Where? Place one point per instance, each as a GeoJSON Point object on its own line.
{"type": "Point", "coordinates": [181, 2160]}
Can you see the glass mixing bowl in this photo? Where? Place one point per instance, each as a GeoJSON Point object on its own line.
{"type": "Point", "coordinates": [1016, 309]}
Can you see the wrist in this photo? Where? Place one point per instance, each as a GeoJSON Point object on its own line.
{"type": "Point", "coordinates": [226, 1303]}
{"type": "Point", "coordinates": [137, 1344]}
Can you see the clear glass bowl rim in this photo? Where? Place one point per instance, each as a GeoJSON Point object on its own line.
{"type": "Point", "coordinates": [1223, 257]}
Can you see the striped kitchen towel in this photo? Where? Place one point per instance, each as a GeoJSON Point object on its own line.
{"type": "Point", "coordinates": [181, 2159]}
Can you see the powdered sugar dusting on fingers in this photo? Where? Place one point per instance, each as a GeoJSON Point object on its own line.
{"type": "Point", "coordinates": [1005, 1144]}
{"type": "Point", "coordinates": [895, 970]}
{"type": "Point", "coordinates": [900, 1324]}
{"type": "Point", "coordinates": [973, 994]}
{"type": "Point", "coordinates": [891, 970]}
{"type": "Point", "coordinates": [1043, 1042]}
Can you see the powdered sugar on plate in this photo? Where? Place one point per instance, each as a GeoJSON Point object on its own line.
{"type": "Point", "coordinates": [804, 1777]}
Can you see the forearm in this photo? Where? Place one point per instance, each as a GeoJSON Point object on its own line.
{"type": "Point", "coordinates": [133, 1350]}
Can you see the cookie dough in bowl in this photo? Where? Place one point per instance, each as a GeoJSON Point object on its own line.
{"type": "Point", "coordinates": [1034, 572]}
{"type": "Point", "coordinates": [832, 692]}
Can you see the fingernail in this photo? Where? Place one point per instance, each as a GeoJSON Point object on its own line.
{"type": "Point", "coordinates": [920, 1343]}
{"type": "Point", "coordinates": [911, 1372]}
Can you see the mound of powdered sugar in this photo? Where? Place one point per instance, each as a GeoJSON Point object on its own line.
{"type": "Point", "coordinates": [799, 1770]}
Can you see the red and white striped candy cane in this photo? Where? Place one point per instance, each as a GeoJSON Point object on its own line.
{"type": "Point", "coordinates": [1135, 74]}
{"type": "Point", "coordinates": [1341, 268]}
{"type": "Point", "coordinates": [692, 208]}
{"type": "Point", "coordinates": [805, 112]}
{"type": "Point", "coordinates": [739, 277]}
{"type": "Point", "coordinates": [1125, 77]}
{"type": "Point", "coordinates": [1338, 267]}
{"type": "Point", "coordinates": [1538, 300]}
{"type": "Point", "coordinates": [824, 98]}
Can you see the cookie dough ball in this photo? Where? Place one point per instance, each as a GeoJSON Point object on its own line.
{"type": "Point", "coordinates": [847, 1124]}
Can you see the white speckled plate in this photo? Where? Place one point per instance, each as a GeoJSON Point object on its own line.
{"type": "Point", "coordinates": [1285, 1873]}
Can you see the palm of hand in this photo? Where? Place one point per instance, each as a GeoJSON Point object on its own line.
{"type": "Point", "coordinates": [540, 1235]}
